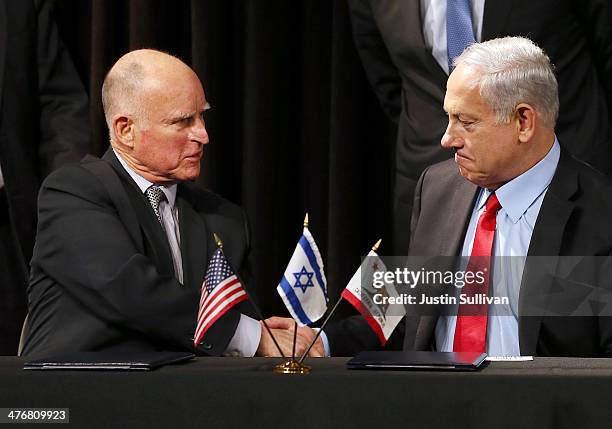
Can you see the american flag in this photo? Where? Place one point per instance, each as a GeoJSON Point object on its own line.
{"type": "Point", "coordinates": [221, 290]}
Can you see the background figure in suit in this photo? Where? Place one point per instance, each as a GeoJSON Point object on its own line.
{"type": "Point", "coordinates": [502, 104]}
{"type": "Point", "coordinates": [43, 124]}
{"type": "Point", "coordinates": [403, 47]}
{"type": "Point", "coordinates": [123, 242]}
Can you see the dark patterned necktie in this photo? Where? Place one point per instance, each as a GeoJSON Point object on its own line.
{"type": "Point", "coordinates": [155, 195]}
{"type": "Point", "coordinates": [459, 30]}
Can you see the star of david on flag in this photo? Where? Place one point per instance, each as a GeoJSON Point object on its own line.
{"type": "Point", "coordinates": [308, 279]}
{"type": "Point", "coordinates": [221, 290]}
{"type": "Point", "coordinates": [303, 287]}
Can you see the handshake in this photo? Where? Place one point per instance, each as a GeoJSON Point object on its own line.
{"type": "Point", "coordinates": [283, 329]}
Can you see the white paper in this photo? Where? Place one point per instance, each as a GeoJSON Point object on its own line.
{"type": "Point", "coordinates": [509, 358]}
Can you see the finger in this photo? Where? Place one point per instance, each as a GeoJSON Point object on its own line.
{"type": "Point", "coordinates": [306, 333]}
{"type": "Point", "coordinates": [284, 339]}
{"type": "Point", "coordinates": [317, 350]}
{"type": "Point", "coordinates": [276, 322]}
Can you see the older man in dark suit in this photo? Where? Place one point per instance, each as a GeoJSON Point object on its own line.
{"type": "Point", "coordinates": [406, 45]}
{"type": "Point", "coordinates": [123, 242]}
{"type": "Point", "coordinates": [510, 191]}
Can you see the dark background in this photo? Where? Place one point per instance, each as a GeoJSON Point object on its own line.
{"type": "Point", "coordinates": [294, 128]}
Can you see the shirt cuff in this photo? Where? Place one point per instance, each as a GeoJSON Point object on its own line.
{"type": "Point", "coordinates": [325, 341]}
{"type": "Point", "coordinates": [246, 338]}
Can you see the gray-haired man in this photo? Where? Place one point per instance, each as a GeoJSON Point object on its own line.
{"type": "Point", "coordinates": [510, 191]}
{"type": "Point", "coordinates": [502, 104]}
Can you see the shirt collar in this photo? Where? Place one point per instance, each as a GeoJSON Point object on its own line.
{"type": "Point", "coordinates": [144, 184]}
{"type": "Point", "coordinates": [519, 194]}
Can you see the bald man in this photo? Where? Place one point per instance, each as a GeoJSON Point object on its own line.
{"type": "Point", "coordinates": [112, 272]}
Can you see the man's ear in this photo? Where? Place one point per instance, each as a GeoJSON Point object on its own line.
{"type": "Point", "coordinates": [526, 120]}
{"type": "Point", "coordinates": [124, 130]}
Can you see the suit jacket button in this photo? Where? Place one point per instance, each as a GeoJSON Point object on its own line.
{"type": "Point", "coordinates": [207, 346]}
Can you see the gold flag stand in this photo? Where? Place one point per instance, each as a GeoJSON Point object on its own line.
{"type": "Point", "coordinates": [292, 367]}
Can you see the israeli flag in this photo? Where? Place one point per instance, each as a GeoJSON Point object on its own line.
{"type": "Point", "coordinates": [303, 287]}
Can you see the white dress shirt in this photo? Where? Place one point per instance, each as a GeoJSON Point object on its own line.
{"type": "Point", "coordinates": [433, 17]}
{"type": "Point", "coordinates": [248, 332]}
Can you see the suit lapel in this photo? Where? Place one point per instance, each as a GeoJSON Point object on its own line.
{"type": "Point", "coordinates": [194, 241]}
{"type": "Point", "coordinates": [150, 226]}
{"type": "Point", "coordinates": [404, 24]}
{"type": "Point", "coordinates": [545, 244]}
{"type": "Point", "coordinates": [461, 206]}
{"type": "Point", "coordinates": [496, 14]}
{"type": "Point", "coordinates": [430, 62]}
{"type": "Point", "coordinates": [414, 20]}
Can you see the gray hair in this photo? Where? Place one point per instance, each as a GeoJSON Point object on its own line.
{"type": "Point", "coordinates": [122, 91]}
{"type": "Point", "coordinates": [514, 70]}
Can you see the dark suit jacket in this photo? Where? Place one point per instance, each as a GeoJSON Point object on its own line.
{"type": "Point", "coordinates": [411, 85]}
{"type": "Point", "coordinates": [574, 220]}
{"type": "Point", "coordinates": [44, 119]}
{"type": "Point", "coordinates": [102, 274]}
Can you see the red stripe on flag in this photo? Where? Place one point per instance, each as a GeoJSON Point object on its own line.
{"type": "Point", "coordinates": [205, 298]}
{"type": "Point", "coordinates": [356, 302]}
{"type": "Point", "coordinates": [237, 298]}
{"type": "Point", "coordinates": [220, 304]}
{"type": "Point", "coordinates": [223, 304]}
{"type": "Point", "coordinates": [218, 294]}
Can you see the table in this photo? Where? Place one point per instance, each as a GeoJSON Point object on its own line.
{"type": "Point", "coordinates": [244, 393]}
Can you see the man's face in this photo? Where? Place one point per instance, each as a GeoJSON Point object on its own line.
{"type": "Point", "coordinates": [169, 142]}
{"type": "Point", "coordinates": [485, 152]}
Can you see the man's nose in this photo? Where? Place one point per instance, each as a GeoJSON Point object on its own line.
{"type": "Point", "coordinates": [199, 133]}
{"type": "Point", "coordinates": [449, 140]}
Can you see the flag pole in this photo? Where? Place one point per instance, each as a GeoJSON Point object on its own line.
{"type": "Point", "coordinates": [291, 366]}
{"type": "Point", "coordinates": [314, 340]}
{"type": "Point", "coordinates": [295, 325]}
{"type": "Point", "coordinates": [257, 310]}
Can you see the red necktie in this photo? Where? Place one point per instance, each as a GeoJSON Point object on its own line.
{"type": "Point", "coordinates": [471, 328]}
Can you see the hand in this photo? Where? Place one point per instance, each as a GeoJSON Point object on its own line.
{"type": "Point", "coordinates": [282, 328]}
{"type": "Point", "coordinates": [308, 334]}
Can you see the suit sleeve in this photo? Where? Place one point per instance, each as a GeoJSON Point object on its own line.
{"type": "Point", "coordinates": [84, 247]}
{"type": "Point", "coordinates": [63, 104]}
{"type": "Point", "coordinates": [416, 207]}
{"type": "Point", "coordinates": [596, 19]}
{"type": "Point", "coordinates": [353, 334]}
{"type": "Point", "coordinates": [382, 73]}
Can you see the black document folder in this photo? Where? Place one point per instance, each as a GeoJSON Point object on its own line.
{"type": "Point", "coordinates": [106, 360]}
{"type": "Point", "coordinates": [462, 361]}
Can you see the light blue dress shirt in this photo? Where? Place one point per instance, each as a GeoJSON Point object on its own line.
{"type": "Point", "coordinates": [520, 200]}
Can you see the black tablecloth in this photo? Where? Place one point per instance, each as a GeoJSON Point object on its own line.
{"type": "Point", "coordinates": [245, 393]}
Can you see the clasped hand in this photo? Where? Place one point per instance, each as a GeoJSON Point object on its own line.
{"type": "Point", "coordinates": [283, 328]}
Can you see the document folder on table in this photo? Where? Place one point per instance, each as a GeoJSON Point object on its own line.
{"type": "Point", "coordinates": [126, 361]}
{"type": "Point", "coordinates": [461, 361]}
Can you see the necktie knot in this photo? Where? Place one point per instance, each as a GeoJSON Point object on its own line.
{"type": "Point", "coordinates": [155, 195]}
{"type": "Point", "coordinates": [493, 204]}
{"type": "Point", "coordinates": [490, 214]}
